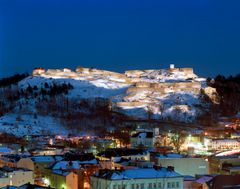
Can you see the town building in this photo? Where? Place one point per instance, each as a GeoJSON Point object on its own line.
{"type": "Point", "coordinates": [224, 163]}
{"type": "Point", "coordinates": [184, 165]}
{"type": "Point", "coordinates": [38, 164]}
{"type": "Point", "coordinates": [144, 139]}
{"type": "Point", "coordinates": [109, 159]}
{"type": "Point", "coordinates": [62, 179]}
{"type": "Point", "coordinates": [137, 179]}
{"type": "Point", "coordinates": [15, 177]}
{"type": "Point", "coordinates": [222, 144]}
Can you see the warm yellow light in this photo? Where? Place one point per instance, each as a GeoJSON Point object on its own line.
{"type": "Point", "coordinates": [46, 181]}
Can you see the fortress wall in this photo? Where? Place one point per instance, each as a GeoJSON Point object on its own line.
{"type": "Point", "coordinates": [165, 88]}
{"type": "Point", "coordinates": [133, 104]}
{"type": "Point", "coordinates": [187, 70]}
{"type": "Point", "coordinates": [38, 71]}
{"type": "Point", "coordinates": [174, 86]}
{"type": "Point", "coordinates": [134, 73]}
{"type": "Point", "coordinates": [82, 70]}
{"type": "Point", "coordinates": [173, 70]}
{"type": "Point", "coordinates": [53, 71]}
{"type": "Point", "coordinates": [137, 90]}
{"type": "Point", "coordinates": [134, 80]}
{"type": "Point", "coordinates": [143, 84]}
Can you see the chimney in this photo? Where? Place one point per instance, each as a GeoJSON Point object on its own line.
{"type": "Point", "coordinates": [170, 168]}
{"type": "Point", "coordinates": [157, 167]}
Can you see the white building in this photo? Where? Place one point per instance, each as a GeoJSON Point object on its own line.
{"type": "Point", "coordinates": [222, 144]}
{"type": "Point", "coordinates": [145, 139]}
{"type": "Point", "coordinates": [184, 165]}
{"type": "Point", "coordinates": [137, 179]}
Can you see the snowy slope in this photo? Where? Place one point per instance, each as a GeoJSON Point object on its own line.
{"type": "Point", "coordinates": [82, 88]}
{"type": "Point", "coordinates": [28, 125]}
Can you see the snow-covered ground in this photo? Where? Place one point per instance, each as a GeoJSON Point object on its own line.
{"type": "Point", "coordinates": [98, 87]}
{"type": "Point", "coordinates": [30, 125]}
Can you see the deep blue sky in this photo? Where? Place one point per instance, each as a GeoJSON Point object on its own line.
{"type": "Point", "coordinates": [120, 34]}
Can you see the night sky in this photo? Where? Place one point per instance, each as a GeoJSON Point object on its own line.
{"type": "Point", "coordinates": [120, 34]}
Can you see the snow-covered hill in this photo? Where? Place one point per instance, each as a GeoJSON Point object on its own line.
{"type": "Point", "coordinates": [28, 124]}
{"type": "Point", "coordinates": [166, 94]}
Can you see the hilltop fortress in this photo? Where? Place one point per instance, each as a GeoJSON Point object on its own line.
{"type": "Point", "coordinates": [140, 78]}
{"type": "Point", "coordinates": [163, 80]}
{"type": "Point", "coordinates": [145, 88]}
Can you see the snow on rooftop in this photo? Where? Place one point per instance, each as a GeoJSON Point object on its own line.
{"type": "Point", "coordinates": [66, 165]}
{"type": "Point", "coordinates": [5, 150]}
{"type": "Point", "coordinates": [143, 173]}
{"type": "Point", "coordinates": [60, 172]}
{"type": "Point", "coordinates": [46, 158]}
{"type": "Point", "coordinates": [172, 155]}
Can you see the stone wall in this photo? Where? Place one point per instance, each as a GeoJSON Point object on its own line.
{"type": "Point", "coordinates": [130, 104]}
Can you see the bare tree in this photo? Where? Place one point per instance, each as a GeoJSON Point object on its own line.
{"type": "Point", "coordinates": [177, 139]}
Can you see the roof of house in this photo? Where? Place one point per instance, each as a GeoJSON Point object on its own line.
{"type": "Point", "coordinates": [13, 157]}
{"type": "Point", "coordinates": [61, 172]}
{"type": "Point", "coordinates": [5, 150]}
{"type": "Point", "coordinates": [7, 169]}
{"type": "Point", "coordinates": [169, 155]}
{"type": "Point", "coordinates": [140, 173]}
{"type": "Point", "coordinates": [73, 156]}
{"type": "Point", "coordinates": [189, 178]}
{"type": "Point", "coordinates": [225, 181]}
{"type": "Point", "coordinates": [64, 165]}
{"type": "Point", "coordinates": [47, 159]}
{"type": "Point", "coordinates": [118, 152]}
{"type": "Point", "coordinates": [71, 164]}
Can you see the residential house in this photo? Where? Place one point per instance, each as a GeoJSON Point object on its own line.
{"type": "Point", "coordinates": [144, 139]}
{"type": "Point", "coordinates": [184, 165]}
{"type": "Point", "coordinates": [137, 179]}
{"type": "Point", "coordinates": [224, 164]}
{"type": "Point", "coordinates": [38, 164]}
{"type": "Point", "coordinates": [10, 176]}
{"type": "Point", "coordinates": [110, 157]}
{"type": "Point", "coordinates": [225, 181]}
{"type": "Point", "coordinates": [61, 179]}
